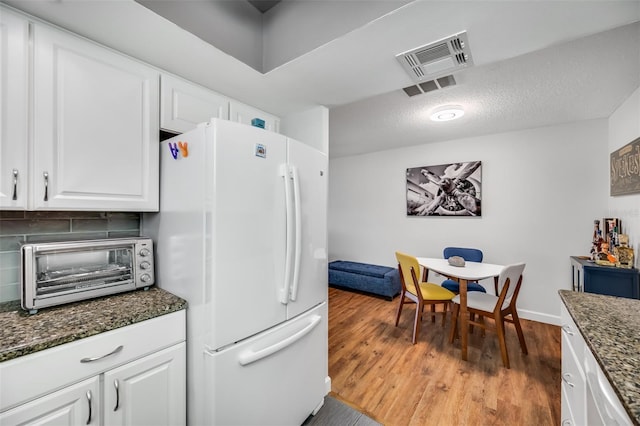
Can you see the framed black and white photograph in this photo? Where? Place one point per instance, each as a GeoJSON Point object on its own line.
{"type": "Point", "coordinates": [445, 190]}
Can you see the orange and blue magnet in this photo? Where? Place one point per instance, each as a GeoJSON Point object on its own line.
{"type": "Point", "coordinates": [184, 148]}
{"type": "Point", "coordinates": [174, 150]}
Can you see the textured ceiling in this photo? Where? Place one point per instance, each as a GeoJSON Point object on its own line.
{"type": "Point", "coordinates": [579, 80]}
{"type": "Point", "coordinates": [537, 63]}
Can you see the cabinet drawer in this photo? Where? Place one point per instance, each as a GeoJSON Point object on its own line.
{"type": "Point", "coordinates": [573, 379]}
{"type": "Point", "coordinates": [571, 332]}
{"type": "Point", "coordinates": [573, 382]}
{"type": "Point", "coordinates": [30, 376]}
{"type": "Point", "coordinates": [566, 416]}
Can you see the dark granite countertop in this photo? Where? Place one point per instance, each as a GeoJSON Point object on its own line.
{"type": "Point", "coordinates": [611, 328]}
{"type": "Point", "coordinates": [23, 334]}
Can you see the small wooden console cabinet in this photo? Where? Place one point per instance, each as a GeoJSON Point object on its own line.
{"type": "Point", "coordinates": [593, 278]}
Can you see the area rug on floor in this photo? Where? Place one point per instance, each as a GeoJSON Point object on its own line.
{"type": "Point", "coordinates": [337, 413]}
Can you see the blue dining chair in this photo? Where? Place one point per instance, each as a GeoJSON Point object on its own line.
{"type": "Point", "coordinates": [469, 255]}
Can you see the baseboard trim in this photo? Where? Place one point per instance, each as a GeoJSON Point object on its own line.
{"type": "Point", "coordinates": [539, 317]}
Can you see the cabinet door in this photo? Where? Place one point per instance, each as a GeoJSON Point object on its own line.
{"type": "Point", "coordinates": [96, 127]}
{"type": "Point", "coordinates": [573, 404]}
{"type": "Point", "coordinates": [612, 281]}
{"type": "Point", "coordinates": [245, 114]}
{"type": "Point", "coordinates": [184, 105]}
{"type": "Point", "coordinates": [74, 405]}
{"type": "Point", "coordinates": [149, 391]}
{"type": "Point", "coordinates": [14, 39]}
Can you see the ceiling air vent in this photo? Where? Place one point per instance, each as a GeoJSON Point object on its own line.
{"type": "Point", "coordinates": [436, 59]}
{"type": "Point", "coordinates": [430, 85]}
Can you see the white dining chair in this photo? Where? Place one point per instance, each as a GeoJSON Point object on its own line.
{"type": "Point", "coordinates": [502, 308]}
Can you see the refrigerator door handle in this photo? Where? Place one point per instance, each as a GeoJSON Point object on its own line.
{"type": "Point", "coordinates": [284, 291]}
{"type": "Point", "coordinates": [250, 356]}
{"type": "Point", "coordinates": [298, 233]}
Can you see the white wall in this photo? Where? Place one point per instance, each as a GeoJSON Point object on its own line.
{"type": "Point", "coordinates": [293, 28]}
{"type": "Point", "coordinates": [624, 127]}
{"type": "Point", "coordinates": [541, 191]}
{"type": "Point", "coordinates": [310, 126]}
{"type": "Point", "coordinates": [235, 27]}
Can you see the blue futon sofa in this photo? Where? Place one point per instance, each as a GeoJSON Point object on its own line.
{"type": "Point", "coordinates": [380, 280]}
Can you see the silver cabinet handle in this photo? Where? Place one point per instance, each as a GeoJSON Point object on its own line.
{"type": "Point", "coordinates": [115, 385]}
{"type": "Point", "coordinates": [15, 185]}
{"type": "Point", "coordinates": [113, 352]}
{"type": "Point", "coordinates": [567, 329]}
{"type": "Point", "coordinates": [46, 186]}
{"type": "Point", "coordinates": [89, 401]}
{"type": "Point", "coordinates": [566, 377]}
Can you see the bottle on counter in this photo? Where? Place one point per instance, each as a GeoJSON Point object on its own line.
{"type": "Point", "coordinates": [596, 240]}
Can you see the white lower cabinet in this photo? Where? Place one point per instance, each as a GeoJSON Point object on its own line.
{"type": "Point", "coordinates": [573, 379]}
{"type": "Point", "coordinates": [603, 405]}
{"type": "Point", "coordinates": [149, 391]}
{"type": "Point", "coordinates": [135, 375]}
{"type": "Point", "coordinates": [587, 395]}
{"type": "Point", "coordinates": [573, 385]}
{"type": "Point", "coordinates": [74, 405]}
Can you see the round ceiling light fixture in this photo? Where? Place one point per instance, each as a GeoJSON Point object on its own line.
{"type": "Point", "coordinates": [447, 113]}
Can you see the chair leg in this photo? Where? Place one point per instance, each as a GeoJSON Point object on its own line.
{"type": "Point", "coordinates": [454, 322]}
{"type": "Point", "coordinates": [444, 313]}
{"type": "Point", "coordinates": [503, 344]}
{"type": "Point", "coordinates": [401, 299]}
{"type": "Point", "coordinates": [416, 324]}
{"type": "Point", "coordinates": [433, 311]}
{"type": "Point", "coordinates": [516, 322]}
{"type": "Point", "coordinates": [472, 317]}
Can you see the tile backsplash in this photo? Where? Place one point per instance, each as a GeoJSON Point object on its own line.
{"type": "Point", "coordinates": [19, 227]}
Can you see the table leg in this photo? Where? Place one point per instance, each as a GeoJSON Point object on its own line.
{"type": "Point", "coordinates": [464, 319]}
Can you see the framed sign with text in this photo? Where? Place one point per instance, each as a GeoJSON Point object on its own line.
{"type": "Point", "coordinates": [624, 168]}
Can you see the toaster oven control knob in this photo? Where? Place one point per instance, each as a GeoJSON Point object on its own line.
{"type": "Point", "coordinates": [145, 265]}
{"type": "Point", "coordinates": [144, 252]}
{"type": "Point", "coordinates": [145, 278]}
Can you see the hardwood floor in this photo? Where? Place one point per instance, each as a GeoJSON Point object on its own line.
{"type": "Point", "coordinates": [374, 366]}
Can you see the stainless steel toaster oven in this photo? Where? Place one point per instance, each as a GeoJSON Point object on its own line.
{"type": "Point", "coordinates": [63, 272]}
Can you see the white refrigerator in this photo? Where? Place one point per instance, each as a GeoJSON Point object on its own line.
{"type": "Point", "coordinates": [241, 235]}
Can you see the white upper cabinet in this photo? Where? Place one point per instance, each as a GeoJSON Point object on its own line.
{"type": "Point", "coordinates": [95, 127]}
{"type": "Point", "coordinates": [14, 39]}
{"type": "Point", "coordinates": [184, 105]}
{"type": "Point", "coordinates": [243, 113]}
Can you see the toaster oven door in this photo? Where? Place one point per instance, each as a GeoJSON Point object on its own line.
{"type": "Point", "coordinates": [63, 273]}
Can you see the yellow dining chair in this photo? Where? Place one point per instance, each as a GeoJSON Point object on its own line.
{"type": "Point", "coordinates": [501, 308]}
{"type": "Point", "coordinates": [418, 292]}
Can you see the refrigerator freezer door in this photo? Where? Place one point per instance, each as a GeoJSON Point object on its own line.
{"type": "Point", "coordinates": [245, 231]}
{"type": "Point", "coordinates": [274, 378]}
{"type": "Point", "coordinates": [309, 280]}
